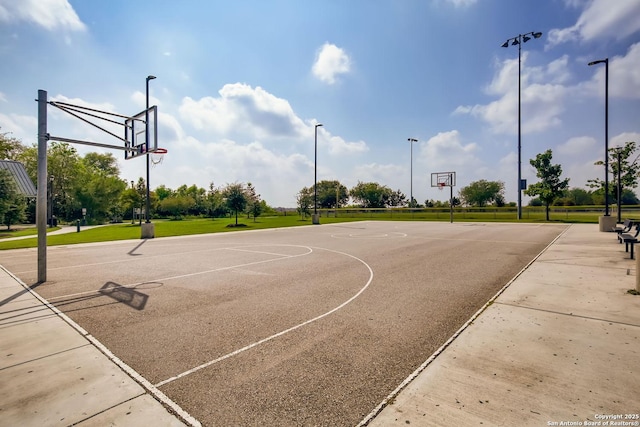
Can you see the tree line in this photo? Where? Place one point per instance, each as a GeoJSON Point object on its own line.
{"type": "Point", "coordinates": [91, 184]}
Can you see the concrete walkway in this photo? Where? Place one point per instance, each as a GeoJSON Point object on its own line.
{"type": "Point", "coordinates": [561, 343]}
{"type": "Point", "coordinates": [64, 229]}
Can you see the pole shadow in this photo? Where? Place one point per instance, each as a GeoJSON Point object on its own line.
{"type": "Point", "coordinates": [125, 295]}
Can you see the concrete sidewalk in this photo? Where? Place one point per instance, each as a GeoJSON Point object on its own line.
{"type": "Point", "coordinates": [560, 344]}
{"type": "Point", "coordinates": [52, 373]}
{"type": "Point", "coordinates": [64, 229]}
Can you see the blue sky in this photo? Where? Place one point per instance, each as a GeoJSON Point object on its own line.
{"type": "Point", "coordinates": [240, 86]}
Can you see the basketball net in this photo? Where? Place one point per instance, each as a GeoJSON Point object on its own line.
{"type": "Point", "coordinates": [441, 186]}
{"type": "Point", "coordinates": [157, 156]}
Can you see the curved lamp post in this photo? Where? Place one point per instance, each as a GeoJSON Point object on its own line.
{"type": "Point", "coordinates": [517, 41]}
{"type": "Point", "coordinates": [606, 131]}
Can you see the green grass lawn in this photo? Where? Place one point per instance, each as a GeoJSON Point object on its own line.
{"type": "Point", "coordinates": [163, 228]}
{"type": "Point", "coordinates": [166, 228]}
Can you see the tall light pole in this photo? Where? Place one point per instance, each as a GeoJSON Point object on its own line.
{"type": "Point", "coordinates": [606, 132]}
{"type": "Point", "coordinates": [411, 141]}
{"type": "Point", "coordinates": [518, 40]}
{"type": "Point", "coordinates": [316, 219]}
{"type": "Point", "coordinates": [146, 133]}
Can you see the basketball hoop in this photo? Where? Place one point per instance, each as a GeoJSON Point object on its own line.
{"type": "Point", "coordinates": [157, 156]}
{"type": "Point", "coordinates": [441, 186]}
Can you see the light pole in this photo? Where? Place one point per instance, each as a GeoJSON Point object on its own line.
{"type": "Point", "coordinates": [133, 209]}
{"type": "Point", "coordinates": [518, 40]}
{"type": "Point", "coordinates": [146, 133]}
{"type": "Point", "coordinates": [606, 132]}
{"type": "Point", "coordinates": [411, 141]}
{"type": "Point", "coordinates": [316, 219]}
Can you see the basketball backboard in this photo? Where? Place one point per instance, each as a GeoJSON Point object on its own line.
{"type": "Point", "coordinates": [443, 179]}
{"type": "Point", "coordinates": [135, 133]}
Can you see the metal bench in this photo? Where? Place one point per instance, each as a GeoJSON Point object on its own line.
{"type": "Point", "coordinates": [630, 239]}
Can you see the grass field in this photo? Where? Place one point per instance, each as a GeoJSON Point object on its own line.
{"type": "Point", "coordinates": [163, 228]}
{"type": "Point", "coordinates": [166, 228]}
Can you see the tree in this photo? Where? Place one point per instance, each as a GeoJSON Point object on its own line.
{"type": "Point", "coordinates": [480, 193]}
{"type": "Point", "coordinates": [579, 196]}
{"type": "Point", "coordinates": [628, 170]}
{"type": "Point", "coordinates": [397, 199]}
{"type": "Point", "coordinates": [332, 194]}
{"type": "Point", "coordinates": [254, 206]}
{"type": "Point", "coordinates": [98, 187]}
{"type": "Point", "coordinates": [214, 203]}
{"type": "Point", "coordinates": [371, 194]}
{"type": "Point", "coordinates": [10, 148]}
{"type": "Point", "coordinates": [236, 198]}
{"type": "Point", "coordinates": [305, 201]}
{"type": "Point", "coordinates": [12, 203]}
{"type": "Point", "coordinates": [551, 186]}
{"type": "Point", "coordinates": [176, 205]}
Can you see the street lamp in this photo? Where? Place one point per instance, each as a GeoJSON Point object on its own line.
{"type": "Point", "coordinates": [51, 201]}
{"type": "Point", "coordinates": [518, 40]}
{"type": "Point", "coordinates": [411, 141]}
{"type": "Point", "coordinates": [146, 133]}
{"type": "Point", "coordinates": [133, 209]}
{"type": "Point", "coordinates": [606, 132]}
{"type": "Point", "coordinates": [316, 219]}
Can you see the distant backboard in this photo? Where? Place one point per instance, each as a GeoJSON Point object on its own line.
{"type": "Point", "coordinates": [135, 133]}
{"type": "Point", "coordinates": [443, 179]}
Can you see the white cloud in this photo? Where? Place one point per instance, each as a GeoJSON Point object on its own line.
{"type": "Point", "coordinates": [331, 61]}
{"type": "Point", "coordinates": [338, 146]}
{"type": "Point", "coordinates": [577, 145]}
{"type": "Point", "coordinates": [462, 3]}
{"type": "Point", "coordinates": [241, 108]}
{"type": "Point", "coordinates": [541, 103]}
{"type": "Point", "coordinates": [625, 83]}
{"type": "Point", "coordinates": [600, 18]}
{"type": "Point", "coordinates": [24, 128]}
{"type": "Point", "coordinates": [3, 98]}
{"type": "Point", "coordinates": [49, 14]}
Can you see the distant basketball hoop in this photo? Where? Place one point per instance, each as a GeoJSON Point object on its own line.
{"type": "Point", "coordinates": [445, 179]}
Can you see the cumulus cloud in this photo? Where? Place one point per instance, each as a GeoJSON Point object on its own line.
{"type": "Point", "coordinates": [338, 146]}
{"type": "Point", "coordinates": [243, 108]}
{"type": "Point", "coordinates": [626, 83]}
{"type": "Point", "coordinates": [541, 103]}
{"type": "Point", "coordinates": [600, 18]}
{"type": "Point", "coordinates": [330, 62]}
{"type": "Point", "coordinates": [256, 113]}
{"type": "Point", "coordinates": [49, 14]}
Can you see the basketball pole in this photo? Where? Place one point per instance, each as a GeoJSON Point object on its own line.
{"type": "Point", "coordinates": [451, 200]}
{"type": "Point", "coordinates": [41, 200]}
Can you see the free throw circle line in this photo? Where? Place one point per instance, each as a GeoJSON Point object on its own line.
{"type": "Point", "coordinates": [281, 333]}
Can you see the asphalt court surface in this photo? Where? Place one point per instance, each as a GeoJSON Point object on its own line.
{"type": "Point", "coordinates": [310, 325]}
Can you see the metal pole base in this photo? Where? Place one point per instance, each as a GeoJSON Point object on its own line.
{"type": "Point", "coordinates": [148, 230]}
{"type": "Point", "coordinates": [315, 219]}
{"type": "Point", "coordinates": [606, 223]}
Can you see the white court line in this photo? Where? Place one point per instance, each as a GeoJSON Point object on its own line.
{"type": "Point", "coordinates": [281, 333]}
{"type": "Point", "coordinates": [231, 267]}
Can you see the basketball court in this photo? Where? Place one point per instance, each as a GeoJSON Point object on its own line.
{"type": "Point", "coordinates": [312, 325]}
